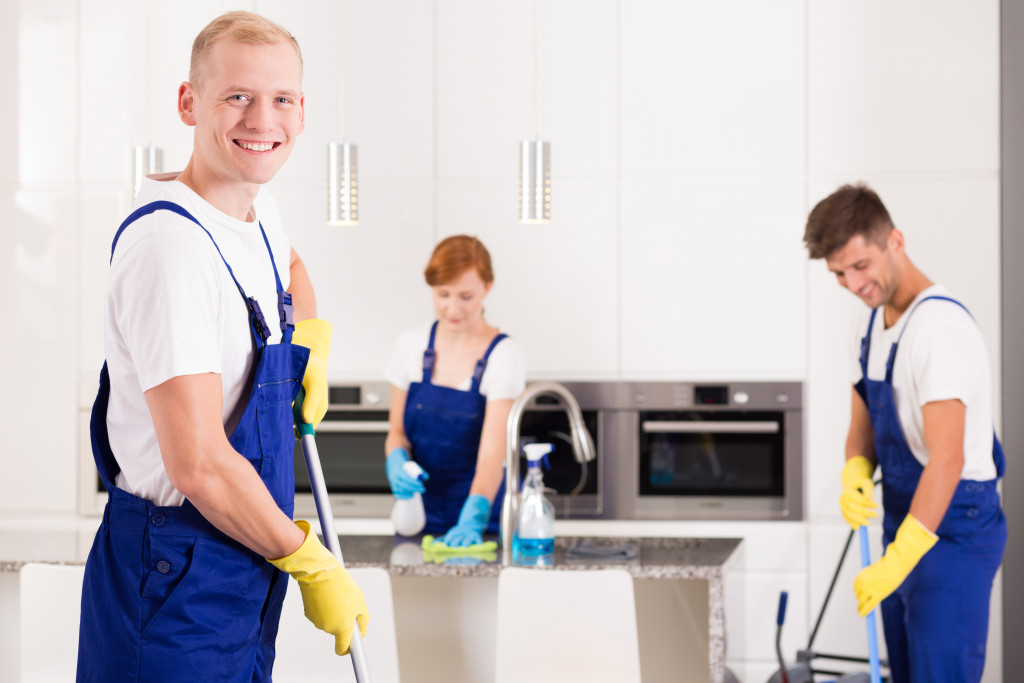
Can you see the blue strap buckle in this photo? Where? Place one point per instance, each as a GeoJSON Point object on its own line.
{"type": "Point", "coordinates": [286, 310]}
{"type": "Point", "coordinates": [259, 323]}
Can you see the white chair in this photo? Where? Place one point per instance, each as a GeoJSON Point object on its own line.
{"type": "Point", "coordinates": [305, 653]}
{"type": "Point", "coordinates": [563, 626]}
{"type": "Point", "coordinates": [50, 604]}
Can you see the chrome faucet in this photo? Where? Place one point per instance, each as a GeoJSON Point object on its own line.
{"type": "Point", "coordinates": [582, 448]}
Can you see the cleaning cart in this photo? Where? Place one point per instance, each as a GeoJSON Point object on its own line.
{"type": "Point", "coordinates": [807, 668]}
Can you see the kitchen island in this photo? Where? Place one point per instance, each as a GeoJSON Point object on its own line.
{"type": "Point", "coordinates": [679, 586]}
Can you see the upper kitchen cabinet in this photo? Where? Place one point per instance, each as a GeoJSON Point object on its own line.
{"type": "Point", "coordinates": [713, 279]}
{"type": "Point", "coordinates": [712, 88]}
{"type": "Point", "coordinates": [40, 119]}
{"type": "Point", "coordinates": [903, 87]}
{"type": "Point", "coordinates": [133, 56]}
{"type": "Point", "coordinates": [497, 85]}
{"type": "Point", "coordinates": [368, 279]}
{"type": "Point", "coordinates": [369, 79]}
{"type": "Point", "coordinates": [555, 284]}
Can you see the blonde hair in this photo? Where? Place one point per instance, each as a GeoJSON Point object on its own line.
{"type": "Point", "coordinates": [245, 27]}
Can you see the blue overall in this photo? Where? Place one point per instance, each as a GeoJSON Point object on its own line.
{"type": "Point", "coordinates": [168, 597]}
{"type": "Point", "coordinates": [444, 426]}
{"type": "Point", "coordinates": [936, 622]}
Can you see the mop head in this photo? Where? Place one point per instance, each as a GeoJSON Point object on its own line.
{"type": "Point", "coordinates": [438, 548]}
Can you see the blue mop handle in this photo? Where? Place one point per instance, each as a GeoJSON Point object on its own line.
{"type": "Point", "coordinates": [865, 560]}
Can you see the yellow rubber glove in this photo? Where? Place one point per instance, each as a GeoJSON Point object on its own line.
{"type": "Point", "coordinates": [877, 581]}
{"type": "Point", "coordinates": [857, 499]}
{"type": "Point", "coordinates": [330, 597]}
{"type": "Point", "coordinates": [315, 335]}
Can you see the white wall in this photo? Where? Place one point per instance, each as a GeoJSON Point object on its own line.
{"type": "Point", "coordinates": [689, 140]}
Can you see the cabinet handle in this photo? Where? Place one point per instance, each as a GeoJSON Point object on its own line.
{"type": "Point", "coordinates": [353, 427]}
{"type": "Point", "coordinates": [699, 427]}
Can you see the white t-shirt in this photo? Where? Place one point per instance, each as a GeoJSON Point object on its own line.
{"type": "Point", "coordinates": [941, 356]}
{"type": "Point", "coordinates": [173, 309]}
{"type": "Point", "coordinates": [504, 377]}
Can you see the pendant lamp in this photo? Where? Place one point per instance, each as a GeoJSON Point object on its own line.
{"type": "Point", "coordinates": [342, 184]}
{"type": "Point", "coordinates": [342, 166]}
{"type": "Point", "coordinates": [535, 159]}
{"type": "Point", "coordinates": [146, 159]}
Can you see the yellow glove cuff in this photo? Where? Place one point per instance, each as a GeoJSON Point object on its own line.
{"type": "Point", "coordinates": [856, 470]}
{"type": "Point", "coordinates": [912, 541]}
{"type": "Point", "coordinates": [310, 557]}
{"type": "Point", "coordinates": [315, 335]}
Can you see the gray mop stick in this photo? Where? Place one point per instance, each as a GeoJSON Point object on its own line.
{"type": "Point", "coordinates": [323, 511]}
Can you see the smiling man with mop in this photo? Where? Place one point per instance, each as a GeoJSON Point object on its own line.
{"type": "Point", "coordinates": [192, 428]}
{"type": "Point", "coordinates": [921, 413]}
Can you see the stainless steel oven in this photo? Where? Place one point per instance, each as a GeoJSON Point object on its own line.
{"type": "Point", "coordinates": [717, 450]}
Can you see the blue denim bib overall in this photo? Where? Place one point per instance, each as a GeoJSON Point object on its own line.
{"type": "Point", "coordinates": [444, 426]}
{"type": "Point", "coordinates": [936, 622]}
{"type": "Point", "coordinates": [167, 596]}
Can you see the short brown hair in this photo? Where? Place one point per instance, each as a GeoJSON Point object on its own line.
{"type": "Point", "coordinates": [453, 256]}
{"type": "Point", "coordinates": [850, 210]}
{"type": "Point", "coordinates": [245, 27]}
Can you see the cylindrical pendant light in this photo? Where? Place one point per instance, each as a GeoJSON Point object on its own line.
{"type": "Point", "coordinates": [342, 184]}
{"type": "Point", "coordinates": [534, 181]}
{"type": "Point", "coordinates": [146, 159]}
{"type": "Point", "coordinates": [535, 157]}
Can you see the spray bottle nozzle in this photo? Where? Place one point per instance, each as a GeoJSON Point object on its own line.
{"type": "Point", "coordinates": [537, 453]}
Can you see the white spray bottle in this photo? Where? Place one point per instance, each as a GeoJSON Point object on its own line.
{"type": "Point", "coordinates": [407, 514]}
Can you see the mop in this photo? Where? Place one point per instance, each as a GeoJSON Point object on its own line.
{"type": "Point", "coordinates": [323, 511]}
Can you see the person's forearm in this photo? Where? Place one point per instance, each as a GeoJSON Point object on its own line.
{"type": "Point", "coordinates": [229, 493]}
{"type": "Point", "coordinates": [301, 289]}
{"type": "Point", "coordinates": [490, 468]}
{"type": "Point", "coordinates": [395, 440]}
{"type": "Point", "coordinates": [860, 440]}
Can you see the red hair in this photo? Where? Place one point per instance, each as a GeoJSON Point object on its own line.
{"type": "Point", "coordinates": [453, 256]}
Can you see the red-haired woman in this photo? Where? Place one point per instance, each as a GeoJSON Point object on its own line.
{"type": "Point", "coordinates": [453, 383]}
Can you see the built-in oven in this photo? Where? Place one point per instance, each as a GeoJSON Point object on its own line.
{"type": "Point", "coordinates": [705, 451]}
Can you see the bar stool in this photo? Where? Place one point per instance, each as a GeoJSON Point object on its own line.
{"type": "Point", "coordinates": [556, 626]}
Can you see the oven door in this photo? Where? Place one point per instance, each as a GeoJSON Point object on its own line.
{"type": "Point", "coordinates": [351, 447]}
{"type": "Point", "coordinates": [573, 488]}
{"type": "Point", "coordinates": [712, 464]}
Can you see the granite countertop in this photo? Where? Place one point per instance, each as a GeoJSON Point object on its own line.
{"type": "Point", "coordinates": [655, 558]}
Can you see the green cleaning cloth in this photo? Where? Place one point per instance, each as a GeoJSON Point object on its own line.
{"type": "Point", "coordinates": [437, 547]}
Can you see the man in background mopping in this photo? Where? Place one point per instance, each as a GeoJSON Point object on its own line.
{"type": "Point", "coordinates": [922, 413]}
{"type": "Point", "coordinates": [192, 428]}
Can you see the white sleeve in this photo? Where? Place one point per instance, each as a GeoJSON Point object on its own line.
{"type": "Point", "coordinates": [397, 371]}
{"type": "Point", "coordinates": [505, 376]}
{"type": "Point", "coordinates": [165, 296]}
{"type": "Point", "coordinates": [946, 359]}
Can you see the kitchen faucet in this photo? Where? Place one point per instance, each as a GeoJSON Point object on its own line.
{"type": "Point", "coordinates": [582, 448]}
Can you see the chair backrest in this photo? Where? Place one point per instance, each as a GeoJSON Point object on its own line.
{"type": "Point", "coordinates": [305, 653]}
{"type": "Point", "coordinates": [557, 626]}
{"type": "Point", "coordinates": [50, 604]}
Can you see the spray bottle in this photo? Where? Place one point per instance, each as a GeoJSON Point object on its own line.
{"type": "Point", "coordinates": [536, 523]}
{"type": "Point", "coordinates": [407, 515]}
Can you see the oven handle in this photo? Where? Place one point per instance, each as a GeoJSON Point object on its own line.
{"type": "Point", "coordinates": [702, 427]}
{"type": "Point", "coordinates": [354, 427]}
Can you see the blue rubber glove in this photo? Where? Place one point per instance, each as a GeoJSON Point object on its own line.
{"type": "Point", "coordinates": [476, 512]}
{"type": "Point", "coordinates": [403, 485]}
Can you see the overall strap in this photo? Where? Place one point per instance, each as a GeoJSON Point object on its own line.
{"type": "Point", "coordinates": [865, 345]}
{"type": "Point", "coordinates": [285, 310]}
{"type": "Point", "coordinates": [257, 322]}
{"type": "Point", "coordinates": [429, 356]}
{"type": "Point", "coordinates": [481, 364]}
{"type": "Point", "coordinates": [890, 363]}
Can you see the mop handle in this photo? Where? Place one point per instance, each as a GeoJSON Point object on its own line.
{"type": "Point", "coordinates": [324, 512]}
{"type": "Point", "coordinates": [865, 560]}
